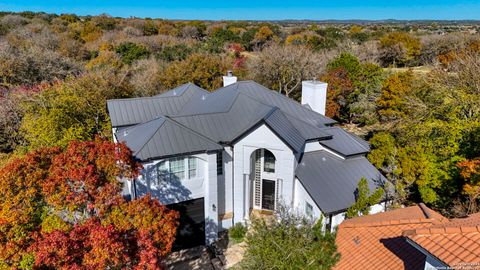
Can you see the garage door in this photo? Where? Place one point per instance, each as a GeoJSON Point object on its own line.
{"type": "Point", "coordinates": [191, 231]}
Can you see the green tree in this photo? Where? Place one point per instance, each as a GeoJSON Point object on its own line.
{"type": "Point", "coordinates": [364, 199]}
{"type": "Point", "coordinates": [130, 52]}
{"type": "Point", "coordinates": [289, 241]}
{"type": "Point", "coordinates": [71, 110]}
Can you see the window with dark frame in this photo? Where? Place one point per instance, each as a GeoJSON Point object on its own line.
{"type": "Point", "coordinates": [268, 162]}
{"type": "Point", "coordinates": [220, 163]}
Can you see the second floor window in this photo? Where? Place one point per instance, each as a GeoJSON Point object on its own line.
{"type": "Point", "coordinates": [268, 162]}
{"type": "Point", "coordinates": [178, 168]}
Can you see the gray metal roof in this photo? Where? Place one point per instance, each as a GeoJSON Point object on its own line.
{"type": "Point", "coordinates": [226, 114]}
{"type": "Point", "coordinates": [277, 121]}
{"type": "Point", "coordinates": [332, 181]}
{"type": "Point", "coordinates": [345, 143]}
{"type": "Point", "coordinates": [163, 137]}
{"type": "Point", "coordinates": [131, 111]}
{"type": "Point", "coordinates": [179, 90]}
{"type": "Point", "coordinates": [287, 105]}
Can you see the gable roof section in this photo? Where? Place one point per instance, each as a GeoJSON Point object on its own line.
{"type": "Point", "coordinates": [278, 122]}
{"type": "Point", "coordinates": [454, 243]}
{"type": "Point", "coordinates": [376, 242]}
{"type": "Point", "coordinates": [180, 90]}
{"type": "Point", "coordinates": [332, 181]}
{"type": "Point", "coordinates": [163, 137]}
{"type": "Point", "coordinates": [344, 142]}
{"type": "Point", "coordinates": [287, 105]}
{"type": "Point", "coordinates": [132, 111]}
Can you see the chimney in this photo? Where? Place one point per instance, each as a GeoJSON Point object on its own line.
{"type": "Point", "coordinates": [314, 93]}
{"type": "Point", "coordinates": [229, 79]}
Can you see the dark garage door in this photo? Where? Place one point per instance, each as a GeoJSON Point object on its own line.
{"type": "Point", "coordinates": [191, 231]}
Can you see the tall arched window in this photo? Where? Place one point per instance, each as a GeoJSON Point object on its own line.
{"type": "Point", "coordinates": [268, 162]}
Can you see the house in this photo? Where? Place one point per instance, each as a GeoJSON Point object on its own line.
{"type": "Point", "coordinates": [414, 237]}
{"type": "Point", "coordinates": [217, 156]}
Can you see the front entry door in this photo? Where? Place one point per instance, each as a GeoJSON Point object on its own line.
{"type": "Point", "coordinates": [268, 194]}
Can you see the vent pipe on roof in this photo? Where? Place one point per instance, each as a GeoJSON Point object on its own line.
{"type": "Point", "coordinates": [314, 93]}
{"type": "Point", "coordinates": [229, 79]}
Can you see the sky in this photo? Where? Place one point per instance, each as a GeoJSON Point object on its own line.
{"type": "Point", "coordinates": [258, 10]}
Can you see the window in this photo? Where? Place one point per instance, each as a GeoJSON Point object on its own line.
{"type": "Point", "coordinates": [192, 167]}
{"type": "Point", "coordinates": [177, 168]}
{"type": "Point", "coordinates": [219, 163]}
{"type": "Point", "coordinates": [268, 162]}
{"type": "Point", "coordinates": [308, 209]}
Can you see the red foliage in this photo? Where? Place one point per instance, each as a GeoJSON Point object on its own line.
{"type": "Point", "coordinates": [86, 176]}
{"type": "Point", "coordinates": [80, 187]}
{"type": "Point", "coordinates": [339, 87]}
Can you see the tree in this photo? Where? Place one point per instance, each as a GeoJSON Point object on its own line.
{"type": "Point", "coordinates": [62, 209]}
{"type": "Point", "coordinates": [399, 48]}
{"type": "Point", "coordinates": [70, 110]}
{"type": "Point", "coordinates": [288, 241]}
{"type": "Point", "coordinates": [470, 172]}
{"type": "Point", "coordinates": [130, 52]}
{"type": "Point", "coordinates": [283, 68]}
{"type": "Point", "coordinates": [204, 70]}
{"type": "Point", "coordinates": [395, 91]}
{"type": "Point", "coordinates": [364, 199]}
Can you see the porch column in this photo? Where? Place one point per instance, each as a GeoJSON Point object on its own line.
{"type": "Point", "coordinates": [211, 199]}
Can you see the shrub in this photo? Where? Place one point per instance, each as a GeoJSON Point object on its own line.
{"type": "Point", "coordinates": [237, 232]}
{"type": "Point", "coordinates": [130, 52]}
{"type": "Point", "coordinates": [289, 241]}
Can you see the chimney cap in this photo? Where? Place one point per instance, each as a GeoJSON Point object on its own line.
{"type": "Point", "coordinates": [229, 73]}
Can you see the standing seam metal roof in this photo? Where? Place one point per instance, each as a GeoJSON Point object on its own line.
{"type": "Point", "coordinates": [332, 181]}
{"type": "Point", "coordinates": [164, 137]}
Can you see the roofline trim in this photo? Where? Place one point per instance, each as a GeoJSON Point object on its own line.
{"type": "Point", "coordinates": [424, 251]}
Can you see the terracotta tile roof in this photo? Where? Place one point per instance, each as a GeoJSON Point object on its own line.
{"type": "Point", "coordinates": [456, 242]}
{"type": "Point", "coordinates": [376, 241]}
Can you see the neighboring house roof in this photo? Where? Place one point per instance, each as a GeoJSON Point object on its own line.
{"type": "Point", "coordinates": [455, 243]}
{"type": "Point", "coordinates": [344, 142]}
{"type": "Point", "coordinates": [163, 137]}
{"type": "Point", "coordinates": [332, 181]}
{"type": "Point", "coordinates": [376, 242]}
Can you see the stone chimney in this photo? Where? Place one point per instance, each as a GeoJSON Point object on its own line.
{"type": "Point", "coordinates": [229, 79]}
{"type": "Point", "coordinates": [314, 93]}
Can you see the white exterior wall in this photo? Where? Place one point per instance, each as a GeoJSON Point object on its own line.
{"type": "Point", "coordinates": [226, 192]}
{"type": "Point", "coordinates": [173, 191]}
{"type": "Point", "coordinates": [301, 198]}
{"type": "Point", "coordinates": [262, 137]}
{"type": "Point", "coordinates": [211, 199]}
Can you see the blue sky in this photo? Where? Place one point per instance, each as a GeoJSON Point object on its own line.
{"type": "Point", "coordinates": [257, 10]}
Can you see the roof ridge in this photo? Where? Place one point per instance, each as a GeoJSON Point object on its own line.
{"type": "Point", "coordinates": [188, 85]}
{"type": "Point", "coordinates": [191, 130]}
{"type": "Point", "coordinates": [387, 223]}
{"type": "Point", "coordinates": [282, 96]}
{"type": "Point", "coordinates": [153, 133]}
{"type": "Point", "coordinates": [442, 230]}
{"type": "Point", "coordinates": [351, 135]}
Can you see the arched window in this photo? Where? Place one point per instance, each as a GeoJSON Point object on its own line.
{"type": "Point", "coordinates": [268, 162]}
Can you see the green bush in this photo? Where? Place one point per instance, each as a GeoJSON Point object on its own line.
{"type": "Point", "coordinates": [237, 232]}
{"type": "Point", "coordinates": [130, 52]}
{"type": "Point", "coordinates": [289, 241]}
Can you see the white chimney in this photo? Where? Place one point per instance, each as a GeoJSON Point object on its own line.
{"type": "Point", "coordinates": [314, 93]}
{"type": "Point", "coordinates": [229, 79]}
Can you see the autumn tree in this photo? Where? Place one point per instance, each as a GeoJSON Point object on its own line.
{"type": "Point", "coordinates": [399, 48]}
{"type": "Point", "coordinates": [204, 70]}
{"type": "Point", "coordinates": [63, 209]}
{"type": "Point", "coordinates": [470, 172]}
{"type": "Point", "coordinates": [395, 91]}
